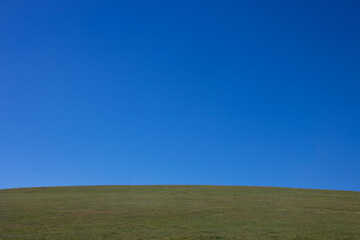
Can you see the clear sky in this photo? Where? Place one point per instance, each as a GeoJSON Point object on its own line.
{"type": "Point", "coordinates": [263, 93]}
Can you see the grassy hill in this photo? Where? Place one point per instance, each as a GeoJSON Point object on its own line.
{"type": "Point", "coordinates": [178, 212]}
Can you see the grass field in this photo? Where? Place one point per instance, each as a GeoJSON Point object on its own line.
{"type": "Point", "coordinates": [178, 212]}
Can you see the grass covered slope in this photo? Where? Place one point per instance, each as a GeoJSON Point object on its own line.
{"type": "Point", "coordinates": [178, 212]}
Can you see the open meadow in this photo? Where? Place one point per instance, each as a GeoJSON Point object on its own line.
{"type": "Point", "coordinates": [178, 212]}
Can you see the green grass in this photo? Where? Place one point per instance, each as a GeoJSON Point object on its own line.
{"type": "Point", "coordinates": [178, 212]}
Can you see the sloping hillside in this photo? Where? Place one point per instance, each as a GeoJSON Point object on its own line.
{"type": "Point", "coordinates": [178, 212]}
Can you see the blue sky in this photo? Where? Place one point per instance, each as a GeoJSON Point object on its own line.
{"type": "Point", "coordinates": [261, 93]}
